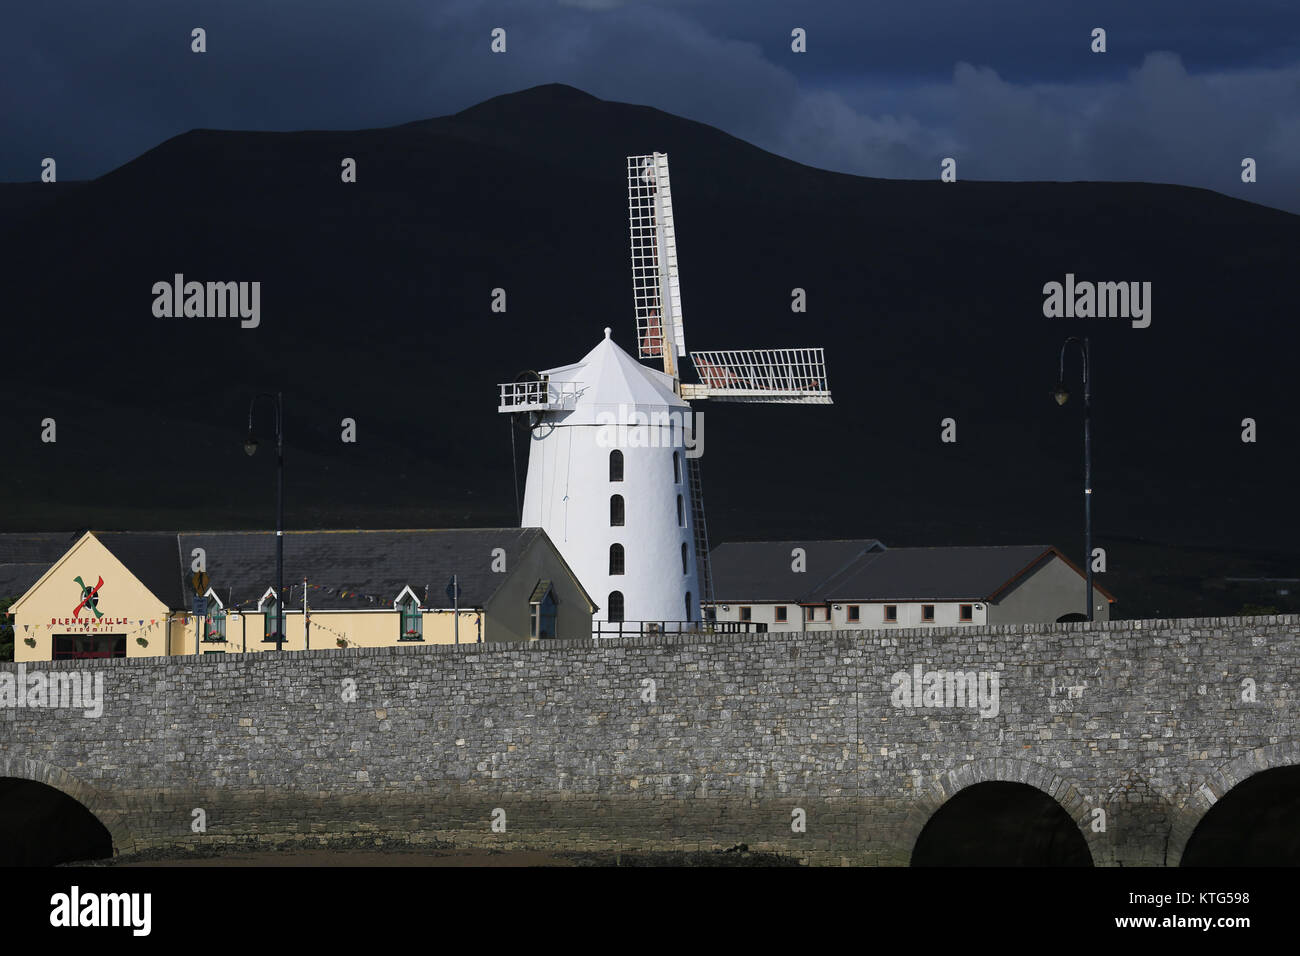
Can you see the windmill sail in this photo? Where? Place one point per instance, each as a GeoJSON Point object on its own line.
{"type": "Point", "coordinates": [655, 287]}
{"type": "Point", "coordinates": [788, 376]}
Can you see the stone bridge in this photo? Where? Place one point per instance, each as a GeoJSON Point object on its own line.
{"type": "Point", "coordinates": [1068, 743]}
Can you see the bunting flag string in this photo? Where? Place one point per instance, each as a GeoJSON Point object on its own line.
{"type": "Point", "coordinates": [141, 628]}
{"type": "Point", "coordinates": [249, 606]}
{"type": "Point", "coordinates": [339, 591]}
{"type": "Point", "coordinates": [294, 596]}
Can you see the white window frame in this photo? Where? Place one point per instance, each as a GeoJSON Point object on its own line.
{"type": "Point", "coordinates": [270, 592]}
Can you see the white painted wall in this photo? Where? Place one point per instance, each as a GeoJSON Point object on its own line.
{"type": "Point", "coordinates": [625, 405]}
{"type": "Point", "coordinates": [568, 492]}
{"type": "Point", "coordinates": [871, 616]}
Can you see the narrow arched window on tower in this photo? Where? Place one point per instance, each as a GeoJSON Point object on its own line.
{"type": "Point", "coordinates": [681, 513]}
{"type": "Point", "coordinates": [688, 606]}
{"type": "Point", "coordinates": [677, 467]}
{"type": "Point", "coordinates": [616, 510]}
{"type": "Point", "coordinates": [616, 605]}
{"type": "Point", "coordinates": [684, 553]}
{"type": "Point", "coordinates": [615, 559]}
{"type": "Point", "coordinates": [615, 465]}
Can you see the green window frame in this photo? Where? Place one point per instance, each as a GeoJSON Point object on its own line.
{"type": "Point", "coordinates": [269, 610]}
{"type": "Point", "coordinates": [215, 628]}
{"type": "Point", "coordinates": [410, 620]}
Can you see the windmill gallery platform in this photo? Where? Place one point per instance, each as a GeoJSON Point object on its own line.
{"type": "Point", "coordinates": [805, 744]}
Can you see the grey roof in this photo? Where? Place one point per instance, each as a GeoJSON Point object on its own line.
{"type": "Point", "coordinates": [359, 569]}
{"type": "Point", "coordinates": [865, 570]}
{"type": "Point", "coordinates": [17, 579]}
{"type": "Point", "coordinates": [152, 558]}
{"type": "Point", "coordinates": [936, 574]}
{"type": "Point", "coordinates": [35, 547]}
{"type": "Point", "coordinates": [763, 570]}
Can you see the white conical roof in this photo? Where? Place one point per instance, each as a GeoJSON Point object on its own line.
{"type": "Point", "coordinates": [609, 379]}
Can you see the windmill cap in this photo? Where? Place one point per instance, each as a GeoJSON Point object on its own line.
{"type": "Point", "coordinates": [610, 377]}
{"type": "Point", "coordinates": [607, 331]}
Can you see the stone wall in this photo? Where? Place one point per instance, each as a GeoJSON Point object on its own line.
{"type": "Point", "coordinates": [738, 733]}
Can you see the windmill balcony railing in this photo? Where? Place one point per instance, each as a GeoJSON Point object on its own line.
{"type": "Point", "coordinates": [537, 396]}
{"type": "Point", "coordinates": [613, 629]}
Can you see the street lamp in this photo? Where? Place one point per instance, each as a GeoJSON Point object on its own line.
{"type": "Point", "coordinates": [1062, 396]}
{"type": "Point", "coordinates": [250, 447]}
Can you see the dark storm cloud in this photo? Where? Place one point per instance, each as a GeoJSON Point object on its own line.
{"type": "Point", "coordinates": [887, 89]}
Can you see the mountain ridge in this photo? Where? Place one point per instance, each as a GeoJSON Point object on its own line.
{"type": "Point", "coordinates": [376, 300]}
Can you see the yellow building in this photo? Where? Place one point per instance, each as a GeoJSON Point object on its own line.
{"type": "Point", "coordinates": [127, 594]}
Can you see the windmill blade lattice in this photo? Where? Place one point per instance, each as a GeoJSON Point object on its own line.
{"type": "Point", "coordinates": [656, 291]}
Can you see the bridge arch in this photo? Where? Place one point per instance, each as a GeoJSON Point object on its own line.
{"type": "Point", "coordinates": [1219, 784]}
{"type": "Point", "coordinates": [23, 768]}
{"type": "Point", "coordinates": [944, 787]}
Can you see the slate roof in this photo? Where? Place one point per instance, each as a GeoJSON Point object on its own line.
{"type": "Point", "coordinates": [350, 570]}
{"type": "Point", "coordinates": [151, 557]}
{"type": "Point", "coordinates": [35, 547]}
{"type": "Point", "coordinates": [17, 579]}
{"type": "Point", "coordinates": [933, 574]}
{"type": "Point", "coordinates": [26, 555]}
{"type": "Point", "coordinates": [762, 570]}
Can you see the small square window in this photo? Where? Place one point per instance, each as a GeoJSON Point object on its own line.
{"type": "Point", "coordinates": [891, 613]}
{"type": "Point", "coordinates": [780, 614]}
{"type": "Point", "coordinates": [967, 612]}
{"type": "Point", "coordinates": [927, 612]}
{"type": "Point", "coordinates": [746, 613]}
{"type": "Point", "coordinates": [854, 614]}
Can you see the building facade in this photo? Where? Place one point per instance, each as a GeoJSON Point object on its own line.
{"type": "Point", "coordinates": [131, 594]}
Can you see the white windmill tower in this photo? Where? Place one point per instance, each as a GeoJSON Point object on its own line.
{"type": "Point", "coordinates": [613, 473]}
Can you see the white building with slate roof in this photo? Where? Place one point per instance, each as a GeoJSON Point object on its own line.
{"type": "Point", "coordinates": [835, 585]}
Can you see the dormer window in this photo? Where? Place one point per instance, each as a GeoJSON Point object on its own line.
{"type": "Point", "coordinates": [410, 618]}
{"type": "Point", "coordinates": [269, 607]}
{"type": "Point", "coordinates": [215, 629]}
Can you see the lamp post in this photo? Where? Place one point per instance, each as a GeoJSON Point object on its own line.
{"type": "Point", "coordinates": [250, 447]}
{"type": "Point", "coordinates": [1061, 396]}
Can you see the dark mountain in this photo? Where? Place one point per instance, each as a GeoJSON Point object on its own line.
{"type": "Point", "coordinates": [376, 306]}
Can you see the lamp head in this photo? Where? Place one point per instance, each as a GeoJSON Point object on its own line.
{"type": "Point", "coordinates": [1059, 393]}
{"type": "Point", "coordinates": [250, 445]}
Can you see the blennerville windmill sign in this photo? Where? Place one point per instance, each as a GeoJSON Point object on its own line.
{"type": "Point", "coordinates": [613, 467]}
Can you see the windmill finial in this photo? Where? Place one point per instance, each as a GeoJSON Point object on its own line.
{"type": "Point", "coordinates": [607, 331]}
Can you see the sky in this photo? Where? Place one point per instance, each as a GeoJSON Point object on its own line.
{"type": "Point", "coordinates": [1008, 88]}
